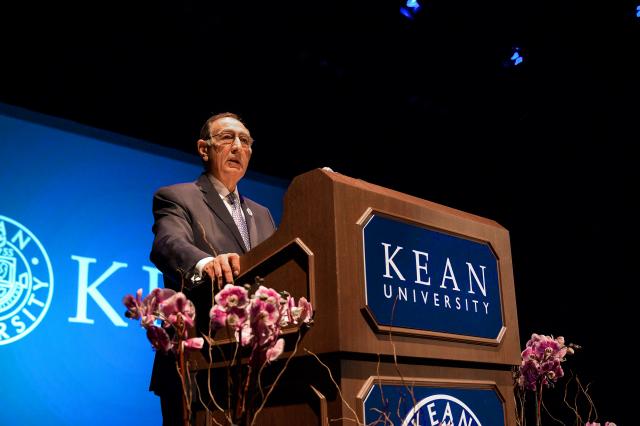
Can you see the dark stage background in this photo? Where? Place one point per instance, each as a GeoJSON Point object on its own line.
{"type": "Point", "coordinates": [430, 105]}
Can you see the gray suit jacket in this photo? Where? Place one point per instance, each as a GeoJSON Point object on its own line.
{"type": "Point", "coordinates": [191, 223]}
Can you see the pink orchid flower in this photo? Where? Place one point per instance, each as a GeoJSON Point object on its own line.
{"type": "Point", "coordinates": [134, 305]}
{"type": "Point", "coordinates": [303, 312]}
{"type": "Point", "coordinates": [159, 338]}
{"type": "Point", "coordinates": [275, 351]}
{"type": "Point", "coordinates": [232, 296]}
{"type": "Point", "coordinates": [541, 361]}
{"type": "Point", "coordinates": [167, 306]}
{"type": "Point", "coordinates": [193, 343]}
{"type": "Point", "coordinates": [218, 317]}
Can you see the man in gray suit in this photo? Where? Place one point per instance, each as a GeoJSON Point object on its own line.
{"type": "Point", "coordinates": [201, 228]}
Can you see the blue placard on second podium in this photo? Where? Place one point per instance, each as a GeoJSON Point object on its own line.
{"type": "Point", "coordinates": [412, 404]}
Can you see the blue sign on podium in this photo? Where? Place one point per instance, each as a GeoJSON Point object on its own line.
{"type": "Point", "coordinates": [423, 279]}
{"type": "Point", "coordinates": [424, 405]}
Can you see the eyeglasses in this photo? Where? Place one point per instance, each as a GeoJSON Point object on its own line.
{"type": "Point", "coordinates": [228, 138]}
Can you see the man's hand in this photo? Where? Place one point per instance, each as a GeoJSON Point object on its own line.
{"type": "Point", "coordinates": [223, 268]}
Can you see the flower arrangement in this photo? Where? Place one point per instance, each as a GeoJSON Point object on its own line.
{"type": "Point", "coordinates": [541, 362]}
{"type": "Point", "coordinates": [173, 310]}
{"type": "Point", "coordinates": [175, 313]}
{"type": "Point", "coordinates": [257, 321]}
{"type": "Point", "coordinates": [254, 321]}
{"type": "Point", "coordinates": [540, 368]}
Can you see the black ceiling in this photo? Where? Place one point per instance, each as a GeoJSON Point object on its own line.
{"type": "Point", "coordinates": [351, 85]}
{"type": "Point", "coordinates": [427, 106]}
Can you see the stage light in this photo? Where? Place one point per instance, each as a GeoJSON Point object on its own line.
{"type": "Point", "coordinates": [410, 9]}
{"type": "Point", "coordinates": [516, 58]}
{"type": "Point", "coordinates": [638, 11]}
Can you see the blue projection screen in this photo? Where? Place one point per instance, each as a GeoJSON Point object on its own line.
{"type": "Point", "coordinates": [75, 235]}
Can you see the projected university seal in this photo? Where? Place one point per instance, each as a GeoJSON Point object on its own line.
{"type": "Point", "coordinates": [26, 281]}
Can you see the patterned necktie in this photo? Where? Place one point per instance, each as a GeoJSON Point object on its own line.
{"type": "Point", "coordinates": [238, 219]}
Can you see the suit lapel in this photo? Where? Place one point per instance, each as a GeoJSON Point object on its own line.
{"type": "Point", "coordinates": [215, 203]}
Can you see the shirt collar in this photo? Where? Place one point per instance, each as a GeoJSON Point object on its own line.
{"type": "Point", "coordinates": [221, 189]}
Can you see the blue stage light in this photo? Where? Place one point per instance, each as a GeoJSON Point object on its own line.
{"type": "Point", "coordinates": [638, 11]}
{"type": "Point", "coordinates": [410, 9]}
{"type": "Point", "coordinates": [413, 5]}
{"type": "Point", "coordinates": [516, 58]}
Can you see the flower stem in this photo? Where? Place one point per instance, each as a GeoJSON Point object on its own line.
{"type": "Point", "coordinates": [539, 407]}
{"type": "Point", "coordinates": [182, 370]}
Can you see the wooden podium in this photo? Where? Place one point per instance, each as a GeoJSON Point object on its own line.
{"type": "Point", "coordinates": [318, 252]}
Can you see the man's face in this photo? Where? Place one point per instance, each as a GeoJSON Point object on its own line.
{"type": "Point", "coordinates": [227, 162]}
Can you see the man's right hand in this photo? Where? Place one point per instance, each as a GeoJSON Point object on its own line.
{"type": "Point", "coordinates": [223, 269]}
